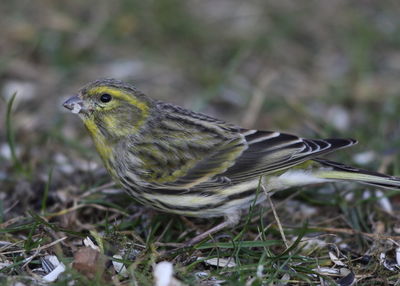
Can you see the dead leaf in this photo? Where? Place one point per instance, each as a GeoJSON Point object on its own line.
{"type": "Point", "coordinates": [89, 262]}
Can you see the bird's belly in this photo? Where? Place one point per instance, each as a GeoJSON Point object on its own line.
{"type": "Point", "coordinates": [196, 202]}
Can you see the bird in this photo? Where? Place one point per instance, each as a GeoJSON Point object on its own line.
{"type": "Point", "coordinates": [188, 163]}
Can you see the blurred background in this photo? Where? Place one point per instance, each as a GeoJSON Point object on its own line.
{"type": "Point", "coordinates": [316, 68]}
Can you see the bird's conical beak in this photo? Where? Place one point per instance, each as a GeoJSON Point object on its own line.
{"type": "Point", "coordinates": [74, 103]}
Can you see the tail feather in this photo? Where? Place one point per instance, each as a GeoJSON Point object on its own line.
{"type": "Point", "coordinates": [346, 173]}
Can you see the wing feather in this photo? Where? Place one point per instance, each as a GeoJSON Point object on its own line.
{"type": "Point", "coordinates": [197, 149]}
{"type": "Point", "coordinates": [270, 152]}
{"type": "Point", "coordinates": [204, 153]}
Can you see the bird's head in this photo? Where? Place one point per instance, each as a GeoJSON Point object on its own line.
{"type": "Point", "coordinates": [110, 108]}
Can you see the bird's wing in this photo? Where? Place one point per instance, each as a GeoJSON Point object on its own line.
{"type": "Point", "coordinates": [202, 152]}
{"type": "Point", "coordinates": [213, 162]}
{"type": "Point", "coordinates": [270, 152]}
{"type": "Point", "coordinates": [184, 149]}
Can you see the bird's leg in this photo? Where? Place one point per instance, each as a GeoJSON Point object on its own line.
{"type": "Point", "coordinates": [231, 220]}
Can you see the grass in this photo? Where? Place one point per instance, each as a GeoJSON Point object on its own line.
{"type": "Point", "coordinates": [54, 192]}
{"type": "Point", "coordinates": [253, 251]}
{"type": "Point", "coordinates": [10, 133]}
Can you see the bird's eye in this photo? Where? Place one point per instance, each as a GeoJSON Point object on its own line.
{"type": "Point", "coordinates": [105, 97]}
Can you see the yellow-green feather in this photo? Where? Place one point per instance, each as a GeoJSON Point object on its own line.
{"type": "Point", "coordinates": [104, 150]}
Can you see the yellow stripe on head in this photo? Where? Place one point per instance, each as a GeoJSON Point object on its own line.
{"type": "Point", "coordinates": [120, 94]}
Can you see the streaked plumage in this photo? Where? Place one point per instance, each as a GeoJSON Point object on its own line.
{"type": "Point", "coordinates": [184, 162]}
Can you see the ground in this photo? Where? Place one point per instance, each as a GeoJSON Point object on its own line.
{"type": "Point", "coordinates": [313, 68]}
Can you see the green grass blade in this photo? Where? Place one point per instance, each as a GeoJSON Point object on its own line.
{"type": "Point", "coordinates": [244, 244]}
{"type": "Point", "coordinates": [46, 191]}
{"type": "Point", "coordinates": [10, 133]}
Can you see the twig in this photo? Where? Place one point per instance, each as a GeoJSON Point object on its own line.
{"type": "Point", "coordinates": [256, 100]}
{"type": "Point", "coordinates": [30, 258]}
{"type": "Point", "coordinates": [76, 207]}
{"type": "Point", "coordinates": [278, 205]}
{"type": "Point", "coordinates": [277, 219]}
{"type": "Point", "coordinates": [11, 221]}
{"type": "Point", "coordinates": [38, 249]}
{"type": "Point", "coordinates": [170, 244]}
{"type": "Point", "coordinates": [11, 207]}
{"type": "Point", "coordinates": [166, 228]}
{"type": "Point", "coordinates": [353, 232]}
{"type": "Point", "coordinates": [97, 189]}
{"type": "Point", "coordinates": [14, 244]}
{"type": "Point", "coordinates": [134, 235]}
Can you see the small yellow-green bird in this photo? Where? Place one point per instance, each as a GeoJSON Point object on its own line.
{"type": "Point", "coordinates": [183, 162]}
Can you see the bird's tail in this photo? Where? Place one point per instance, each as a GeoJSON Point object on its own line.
{"type": "Point", "coordinates": [346, 173]}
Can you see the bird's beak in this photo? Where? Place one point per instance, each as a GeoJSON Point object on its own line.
{"type": "Point", "coordinates": [74, 103]}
